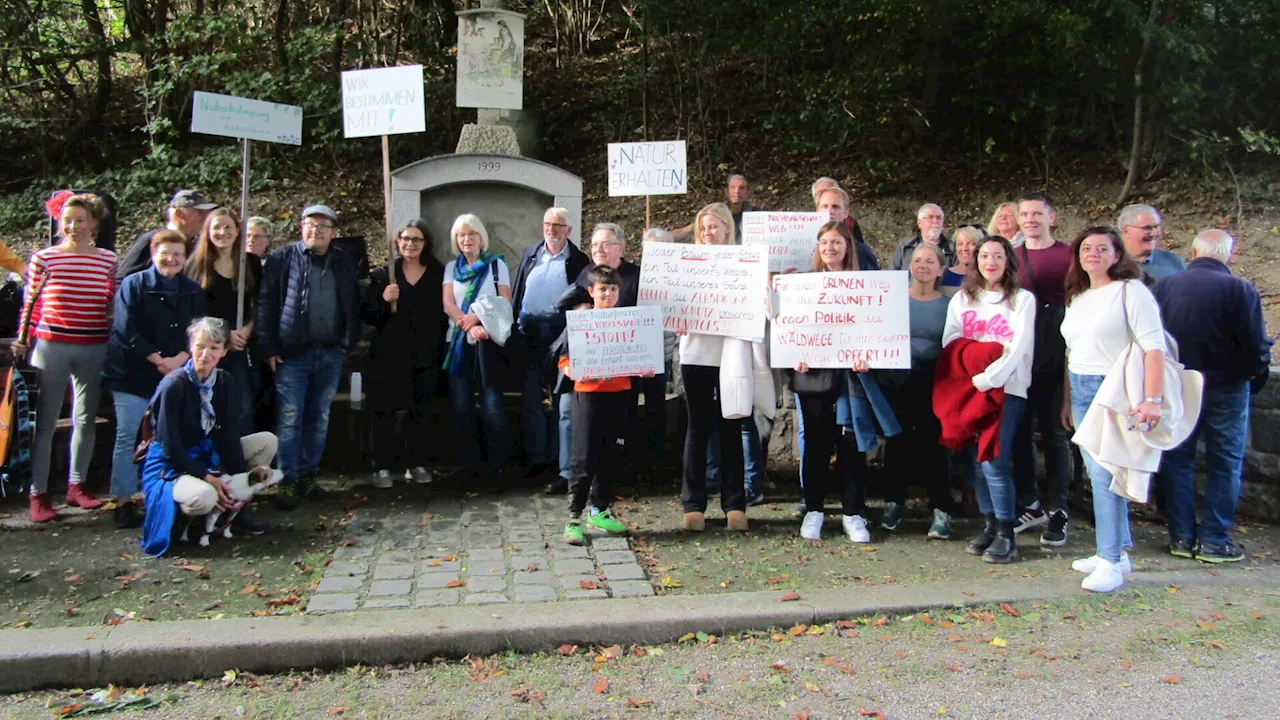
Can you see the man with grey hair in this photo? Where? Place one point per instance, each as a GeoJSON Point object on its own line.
{"type": "Point", "coordinates": [185, 214]}
{"type": "Point", "coordinates": [1140, 227]}
{"type": "Point", "coordinates": [1216, 319]}
{"type": "Point", "coordinates": [737, 195]}
{"type": "Point", "coordinates": [929, 221]}
{"type": "Point", "coordinates": [822, 184]}
{"type": "Point", "coordinates": [547, 268]}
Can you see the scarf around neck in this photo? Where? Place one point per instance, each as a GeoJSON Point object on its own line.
{"type": "Point", "coordinates": [208, 419]}
{"type": "Point", "coordinates": [476, 274]}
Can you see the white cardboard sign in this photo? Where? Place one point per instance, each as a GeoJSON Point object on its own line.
{"type": "Point", "coordinates": [791, 237]}
{"type": "Point", "coordinates": [831, 319]}
{"type": "Point", "coordinates": [648, 168]}
{"type": "Point", "coordinates": [615, 342]}
{"type": "Point", "coordinates": [237, 117]}
{"type": "Point", "coordinates": [383, 101]}
{"type": "Point", "coordinates": [706, 289]}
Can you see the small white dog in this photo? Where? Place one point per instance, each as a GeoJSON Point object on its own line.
{"type": "Point", "coordinates": [243, 487]}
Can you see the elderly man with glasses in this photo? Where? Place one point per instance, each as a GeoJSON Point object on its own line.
{"type": "Point", "coordinates": [307, 321]}
{"type": "Point", "coordinates": [1140, 227]}
{"type": "Point", "coordinates": [547, 268]}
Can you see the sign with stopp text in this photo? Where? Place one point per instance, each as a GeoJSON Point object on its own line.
{"type": "Point", "coordinates": [615, 342]}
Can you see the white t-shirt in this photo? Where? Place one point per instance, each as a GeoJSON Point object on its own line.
{"type": "Point", "coordinates": [991, 320]}
{"type": "Point", "coordinates": [489, 287]}
{"type": "Point", "coordinates": [1097, 331]}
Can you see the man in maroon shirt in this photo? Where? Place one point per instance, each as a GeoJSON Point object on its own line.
{"type": "Point", "coordinates": [1043, 263]}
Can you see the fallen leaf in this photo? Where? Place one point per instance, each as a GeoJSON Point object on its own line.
{"type": "Point", "coordinates": [954, 638]}
{"type": "Point", "coordinates": [192, 568]}
{"type": "Point", "coordinates": [781, 667]}
{"type": "Point", "coordinates": [800, 716]}
{"type": "Point", "coordinates": [687, 637]}
{"type": "Point", "coordinates": [613, 652]}
{"type": "Point", "coordinates": [1216, 644]}
{"type": "Point", "coordinates": [880, 621]}
{"type": "Point", "coordinates": [871, 714]}
{"type": "Point", "coordinates": [999, 642]}
{"type": "Point", "coordinates": [702, 676]}
{"type": "Point", "coordinates": [843, 624]}
{"type": "Point", "coordinates": [925, 619]}
{"type": "Point", "coordinates": [812, 688]}
{"type": "Point", "coordinates": [433, 563]}
{"type": "Point", "coordinates": [829, 660]}
{"type": "Point", "coordinates": [1206, 625]}
{"type": "Point", "coordinates": [1022, 675]}
{"type": "Point", "coordinates": [248, 589]}
{"type": "Point", "coordinates": [73, 578]}
{"type": "Point", "coordinates": [339, 710]}
{"type": "Point", "coordinates": [901, 655]}
{"type": "Point", "coordinates": [450, 558]}
{"type": "Point", "coordinates": [601, 686]}
{"type": "Point", "coordinates": [1009, 609]}
{"type": "Point", "coordinates": [587, 584]}
{"type": "Point", "coordinates": [455, 583]}
{"type": "Point", "coordinates": [790, 597]}
{"type": "Point", "coordinates": [638, 651]}
{"type": "Point", "coordinates": [635, 703]}
{"type": "Point", "coordinates": [814, 630]}
{"type": "Point", "coordinates": [567, 649]}
{"type": "Point", "coordinates": [778, 637]}
{"type": "Point", "coordinates": [845, 669]}
{"type": "Point", "coordinates": [1172, 679]}
{"type": "Point", "coordinates": [1172, 590]}
{"type": "Point", "coordinates": [797, 630]}
{"type": "Point", "coordinates": [951, 668]}
{"type": "Point", "coordinates": [1125, 664]}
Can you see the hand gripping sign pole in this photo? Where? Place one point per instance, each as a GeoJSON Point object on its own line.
{"type": "Point", "coordinates": [384, 101]}
{"type": "Point", "coordinates": [247, 119]}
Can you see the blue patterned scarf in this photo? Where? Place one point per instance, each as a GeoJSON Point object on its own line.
{"type": "Point", "coordinates": [475, 274]}
{"type": "Point", "coordinates": [208, 419]}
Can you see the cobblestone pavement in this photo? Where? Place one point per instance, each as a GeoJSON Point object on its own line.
{"type": "Point", "coordinates": [473, 551]}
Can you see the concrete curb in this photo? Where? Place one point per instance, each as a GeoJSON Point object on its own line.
{"type": "Point", "coordinates": [137, 653]}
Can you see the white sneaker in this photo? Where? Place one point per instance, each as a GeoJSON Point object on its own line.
{"type": "Point", "coordinates": [421, 475]}
{"type": "Point", "coordinates": [382, 479]}
{"type": "Point", "coordinates": [856, 528]}
{"type": "Point", "coordinates": [1106, 578]}
{"type": "Point", "coordinates": [811, 526]}
{"type": "Point", "coordinates": [1089, 564]}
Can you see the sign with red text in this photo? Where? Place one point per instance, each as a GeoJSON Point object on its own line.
{"type": "Point", "coordinates": [706, 289]}
{"type": "Point", "coordinates": [792, 237]}
{"type": "Point", "coordinates": [831, 320]}
{"type": "Point", "coordinates": [614, 342]}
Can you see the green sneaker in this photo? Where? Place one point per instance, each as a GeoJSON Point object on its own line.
{"type": "Point", "coordinates": [573, 533]}
{"type": "Point", "coordinates": [287, 497]}
{"type": "Point", "coordinates": [605, 521]}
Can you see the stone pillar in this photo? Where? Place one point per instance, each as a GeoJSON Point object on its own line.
{"type": "Point", "coordinates": [1260, 489]}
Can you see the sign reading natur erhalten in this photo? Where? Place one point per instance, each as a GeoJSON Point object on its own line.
{"type": "Point", "coordinates": [648, 168]}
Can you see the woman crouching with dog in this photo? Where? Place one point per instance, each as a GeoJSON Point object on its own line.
{"type": "Point", "coordinates": [193, 443]}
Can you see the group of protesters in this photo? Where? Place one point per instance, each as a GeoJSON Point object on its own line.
{"type": "Point", "coordinates": [1012, 333]}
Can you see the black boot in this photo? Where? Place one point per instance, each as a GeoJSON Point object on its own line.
{"type": "Point", "coordinates": [1002, 550]}
{"type": "Point", "coordinates": [126, 516]}
{"type": "Point", "coordinates": [979, 544]}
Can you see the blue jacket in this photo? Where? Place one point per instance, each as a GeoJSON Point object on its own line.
{"type": "Point", "coordinates": [281, 326]}
{"type": "Point", "coordinates": [573, 267]}
{"type": "Point", "coordinates": [145, 322]}
{"type": "Point", "coordinates": [1217, 320]}
{"type": "Point", "coordinates": [862, 409]}
{"type": "Point", "coordinates": [181, 447]}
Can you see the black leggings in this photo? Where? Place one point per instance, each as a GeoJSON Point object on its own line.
{"type": "Point", "coordinates": [821, 434]}
{"type": "Point", "coordinates": [700, 385]}
{"type": "Point", "coordinates": [386, 445]}
{"type": "Point", "coordinates": [915, 454]}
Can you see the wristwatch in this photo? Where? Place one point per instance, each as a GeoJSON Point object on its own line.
{"type": "Point", "coordinates": [1153, 400]}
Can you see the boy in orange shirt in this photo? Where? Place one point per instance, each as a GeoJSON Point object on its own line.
{"type": "Point", "coordinates": [601, 407]}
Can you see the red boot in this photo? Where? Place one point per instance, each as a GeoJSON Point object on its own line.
{"type": "Point", "coordinates": [41, 508]}
{"type": "Point", "coordinates": [77, 496]}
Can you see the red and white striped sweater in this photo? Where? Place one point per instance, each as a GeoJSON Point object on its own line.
{"type": "Point", "coordinates": [79, 289]}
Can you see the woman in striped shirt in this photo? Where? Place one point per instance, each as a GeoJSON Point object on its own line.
{"type": "Point", "coordinates": [71, 325]}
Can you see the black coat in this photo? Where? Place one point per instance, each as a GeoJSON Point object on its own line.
{"type": "Point", "coordinates": [281, 324]}
{"type": "Point", "coordinates": [407, 340]}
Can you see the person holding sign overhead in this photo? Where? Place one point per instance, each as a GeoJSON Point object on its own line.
{"type": "Point", "coordinates": [471, 357]}
{"type": "Point", "coordinates": [992, 309]}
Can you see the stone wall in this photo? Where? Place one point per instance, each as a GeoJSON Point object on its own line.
{"type": "Point", "coordinates": [1260, 492]}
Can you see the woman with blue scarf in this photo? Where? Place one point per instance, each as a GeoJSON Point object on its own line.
{"type": "Point", "coordinates": [195, 441]}
{"type": "Point", "coordinates": [471, 357]}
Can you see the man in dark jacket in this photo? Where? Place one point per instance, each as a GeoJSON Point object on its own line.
{"type": "Point", "coordinates": [929, 221]}
{"type": "Point", "coordinates": [1217, 322]}
{"type": "Point", "coordinates": [186, 212]}
{"type": "Point", "coordinates": [307, 321]}
{"type": "Point", "coordinates": [547, 268]}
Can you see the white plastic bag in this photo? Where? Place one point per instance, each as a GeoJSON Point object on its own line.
{"type": "Point", "coordinates": [495, 315]}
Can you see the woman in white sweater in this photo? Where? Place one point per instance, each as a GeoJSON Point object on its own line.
{"type": "Point", "coordinates": [991, 307]}
{"type": "Point", "coordinates": [1107, 308]}
{"type": "Point", "coordinates": [700, 366]}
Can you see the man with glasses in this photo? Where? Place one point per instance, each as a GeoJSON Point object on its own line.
{"type": "Point", "coordinates": [1140, 226]}
{"type": "Point", "coordinates": [929, 221]}
{"type": "Point", "coordinates": [547, 268]}
{"type": "Point", "coordinates": [307, 321]}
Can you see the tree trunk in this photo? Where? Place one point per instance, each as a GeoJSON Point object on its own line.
{"type": "Point", "coordinates": [102, 94]}
{"type": "Point", "coordinates": [281, 32]}
{"type": "Point", "coordinates": [340, 14]}
{"type": "Point", "coordinates": [1139, 99]}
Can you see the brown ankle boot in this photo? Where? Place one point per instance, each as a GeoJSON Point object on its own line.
{"type": "Point", "coordinates": [737, 520]}
{"type": "Point", "coordinates": [694, 522]}
{"type": "Point", "coordinates": [77, 496]}
{"type": "Point", "coordinates": [41, 508]}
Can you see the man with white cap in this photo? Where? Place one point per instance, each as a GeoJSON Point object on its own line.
{"type": "Point", "coordinates": [307, 321]}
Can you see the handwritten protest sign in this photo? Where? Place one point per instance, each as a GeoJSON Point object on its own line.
{"type": "Point", "coordinates": [706, 289]}
{"type": "Point", "coordinates": [237, 117]}
{"type": "Point", "coordinates": [383, 101]}
{"type": "Point", "coordinates": [615, 342]}
{"type": "Point", "coordinates": [832, 319]}
{"type": "Point", "coordinates": [647, 168]}
{"type": "Point", "coordinates": [791, 237]}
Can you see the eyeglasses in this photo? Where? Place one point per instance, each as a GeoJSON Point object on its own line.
{"type": "Point", "coordinates": [554, 225]}
{"type": "Point", "coordinates": [472, 234]}
{"type": "Point", "coordinates": [319, 227]}
{"type": "Point", "coordinates": [603, 245]}
{"type": "Point", "coordinates": [1146, 228]}
{"type": "Point", "coordinates": [411, 240]}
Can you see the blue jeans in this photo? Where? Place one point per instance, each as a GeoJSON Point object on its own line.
{"type": "Point", "coordinates": [800, 440]}
{"type": "Point", "coordinates": [1110, 511]}
{"type": "Point", "coordinates": [462, 390]}
{"type": "Point", "coordinates": [1224, 422]}
{"type": "Point", "coordinates": [996, 490]}
{"type": "Point", "coordinates": [305, 387]}
{"type": "Point", "coordinates": [752, 458]}
{"type": "Point", "coordinates": [125, 475]}
{"type": "Point", "coordinates": [564, 402]}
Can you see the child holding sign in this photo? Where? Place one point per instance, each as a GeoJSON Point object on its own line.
{"type": "Point", "coordinates": [601, 407]}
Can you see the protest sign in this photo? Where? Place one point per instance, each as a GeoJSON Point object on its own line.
{"type": "Point", "coordinates": [383, 101]}
{"type": "Point", "coordinates": [615, 342]}
{"type": "Point", "coordinates": [830, 320]}
{"type": "Point", "coordinates": [791, 237]}
{"type": "Point", "coordinates": [706, 289]}
{"type": "Point", "coordinates": [647, 168]}
{"type": "Point", "coordinates": [229, 116]}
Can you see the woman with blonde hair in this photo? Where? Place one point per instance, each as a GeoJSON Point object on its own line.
{"type": "Point", "coordinates": [966, 239]}
{"type": "Point", "coordinates": [1004, 223]}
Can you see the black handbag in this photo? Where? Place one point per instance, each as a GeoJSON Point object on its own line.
{"type": "Point", "coordinates": [818, 381]}
{"type": "Point", "coordinates": [1050, 348]}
